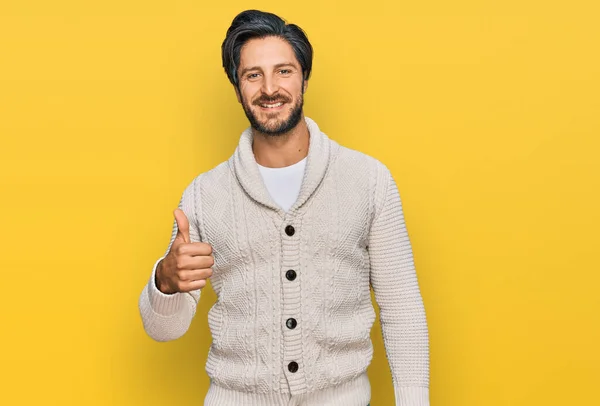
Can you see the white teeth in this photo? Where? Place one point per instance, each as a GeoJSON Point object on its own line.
{"type": "Point", "coordinates": [270, 106]}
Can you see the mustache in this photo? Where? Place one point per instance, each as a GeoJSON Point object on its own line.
{"type": "Point", "coordinates": [271, 100]}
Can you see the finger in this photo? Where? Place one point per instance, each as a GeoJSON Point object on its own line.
{"type": "Point", "coordinates": [195, 249]}
{"type": "Point", "coordinates": [193, 285]}
{"type": "Point", "coordinates": [187, 262]}
{"type": "Point", "coordinates": [195, 274]}
{"type": "Point", "coordinates": [183, 225]}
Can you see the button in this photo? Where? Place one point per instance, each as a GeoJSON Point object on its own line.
{"type": "Point", "coordinates": [290, 275]}
{"type": "Point", "coordinates": [293, 366]}
{"type": "Point", "coordinates": [291, 323]}
{"type": "Point", "coordinates": [289, 230]}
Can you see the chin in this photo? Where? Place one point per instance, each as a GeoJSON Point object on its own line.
{"type": "Point", "coordinates": [271, 123]}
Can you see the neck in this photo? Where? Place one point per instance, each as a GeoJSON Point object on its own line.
{"type": "Point", "coordinates": [277, 151]}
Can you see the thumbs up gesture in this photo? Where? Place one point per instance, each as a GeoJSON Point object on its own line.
{"type": "Point", "coordinates": [187, 265]}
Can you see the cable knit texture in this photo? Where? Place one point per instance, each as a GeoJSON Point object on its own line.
{"type": "Point", "coordinates": [344, 234]}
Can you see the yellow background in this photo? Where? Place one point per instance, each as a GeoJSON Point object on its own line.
{"type": "Point", "coordinates": [485, 111]}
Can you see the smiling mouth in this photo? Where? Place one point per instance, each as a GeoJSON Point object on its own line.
{"type": "Point", "coordinates": [272, 106]}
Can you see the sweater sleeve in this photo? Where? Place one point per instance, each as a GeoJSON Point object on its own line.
{"type": "Point", "coordinates": [167, 317]}
{"type": "Point", "coordinates": [397, 293]}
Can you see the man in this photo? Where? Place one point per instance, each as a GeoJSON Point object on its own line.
{"type": "Point", "coordinates": [292, 230]}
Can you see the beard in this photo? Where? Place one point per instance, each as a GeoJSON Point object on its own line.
{"type": "Point", "coordinates": [274, 127]}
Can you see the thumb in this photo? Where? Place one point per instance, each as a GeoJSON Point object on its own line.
{"type": "Point", "coordinates": [183, 226]}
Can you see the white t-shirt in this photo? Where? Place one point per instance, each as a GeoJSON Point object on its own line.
{"type": "Point", "coordinates": [284, 183]}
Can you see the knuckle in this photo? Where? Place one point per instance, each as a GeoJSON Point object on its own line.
{"type": "Point", "coordinates": [181, 262]}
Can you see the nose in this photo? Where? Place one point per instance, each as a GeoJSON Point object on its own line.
{"type": "Point", "coordinates": [270, 85]}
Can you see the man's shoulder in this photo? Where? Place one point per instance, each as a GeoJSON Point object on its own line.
{"type": "Point", "coordinates": [353, 158]}
{"type": "Point", "coordinates": [215, 179]}
{"type": "Point", "coordinates": [357, 165]}
{"type": "Point", "coordinates": [215, 176]}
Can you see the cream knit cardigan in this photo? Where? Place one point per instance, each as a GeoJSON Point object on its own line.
{"type": "Point", "coordinates": [344, 234]}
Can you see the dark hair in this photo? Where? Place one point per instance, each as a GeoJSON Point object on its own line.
{"type": "Point", "coordinates": [252, 24]}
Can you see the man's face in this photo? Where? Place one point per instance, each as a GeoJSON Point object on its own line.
{"type": "Point", "coordinates": [270, 79]}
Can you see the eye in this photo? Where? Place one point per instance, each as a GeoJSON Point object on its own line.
{"type": "Point", "coordinates": [285, 70]}
{"type": "Point", "coordinates": [252, 75]}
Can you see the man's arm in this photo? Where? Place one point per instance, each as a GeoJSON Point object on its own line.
{"type": "Point", "coordinates": [401, 309]}
{"type": "Point", "coordinates": [168, 316]}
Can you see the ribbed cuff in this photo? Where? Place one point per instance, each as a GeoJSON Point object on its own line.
{"type": "Point", "coordinates": [412, 395]}
{"type": "Point", "coordinates": [161, 303]}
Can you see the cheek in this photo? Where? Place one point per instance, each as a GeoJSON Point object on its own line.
{"type": "Point", "coordinates": [248, 93]}
{"type": "Point", "coordinates": [297, 93]}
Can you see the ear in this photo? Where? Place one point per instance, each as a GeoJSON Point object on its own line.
{"type": "Point", "coordinates": [305, 86]}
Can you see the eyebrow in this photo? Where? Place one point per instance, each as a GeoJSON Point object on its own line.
{"type": "Point", "coordinates": [279, 65]}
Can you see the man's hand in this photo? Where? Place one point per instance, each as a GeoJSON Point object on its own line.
{"type": "Point", "coordinates": [187, 265]}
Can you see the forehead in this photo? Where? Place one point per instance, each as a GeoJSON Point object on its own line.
{"type": "Point", "coordinates": [266, 52]}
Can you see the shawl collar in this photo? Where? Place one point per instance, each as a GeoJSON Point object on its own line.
{"type": "Point", "coordinates": [248, 175]}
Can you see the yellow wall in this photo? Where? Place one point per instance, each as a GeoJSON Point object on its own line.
{"type": "Point", "coordinates": [486, 113]}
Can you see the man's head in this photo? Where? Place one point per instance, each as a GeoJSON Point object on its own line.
{"type": "Point", "coordinates": [268, 62]}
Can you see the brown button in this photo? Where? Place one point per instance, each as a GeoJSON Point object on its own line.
{"type": "Point", "coordinates": [289, 230]}
{"type": "Point", "coordinates": [293, 366]}
{"type": "Point", "coordinates": [290, 275]}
